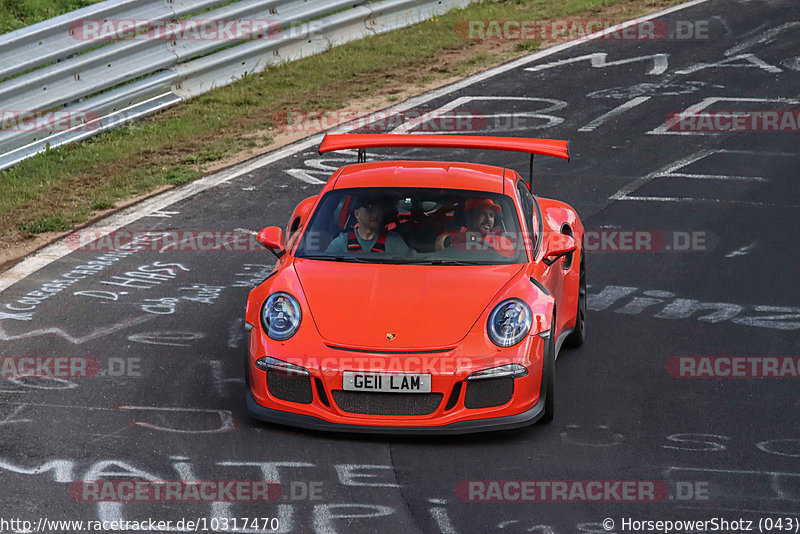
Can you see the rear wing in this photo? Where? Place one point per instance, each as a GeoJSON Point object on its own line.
{"type": "Point", "coordinates": [545, 147]}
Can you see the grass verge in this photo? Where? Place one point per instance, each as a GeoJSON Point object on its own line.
{"type": "Point", "coordinates": [16, 14]}
{"type": "Point", "coordinates": [61, 188]}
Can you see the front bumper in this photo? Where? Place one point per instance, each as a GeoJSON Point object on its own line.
{"type": "Point", "coordinates": [459, 427]}
{"type": "Point", "coordinates": [318, 408]}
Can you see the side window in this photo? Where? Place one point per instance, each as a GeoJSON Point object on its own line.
{"type": "Point", "coordinates": [526, 202]}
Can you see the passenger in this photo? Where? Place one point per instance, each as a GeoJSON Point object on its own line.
{"type": "Point", "coordinates": [481, 232]}
{"type": "Point", "coordinates": [370, 234]}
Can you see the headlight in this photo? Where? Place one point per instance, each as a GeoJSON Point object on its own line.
{"type": "Point", "coordinates": [280, 316]}
{"type": "Point", "coordinates": [514, 370]}
{"type": "Point", "coordinates": [285, 368]}
{"type": "Point", "coordinates": [509, 322]}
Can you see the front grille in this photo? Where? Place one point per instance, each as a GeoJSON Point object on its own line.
{"type": "Point", "coordinates": [387, 403]}
{"type": "Point", "coordinates": [488, 392]}
{"type": "Point", "coordinates": [453, 397]}
{"type": "Point", "coordinates": [289, 388]}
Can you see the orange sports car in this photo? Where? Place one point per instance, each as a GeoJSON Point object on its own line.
{"type": "Point", "coordinates": [417, 296]}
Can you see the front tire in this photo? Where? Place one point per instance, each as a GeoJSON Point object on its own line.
{"type": "Point", "coordinates": [578, 335]}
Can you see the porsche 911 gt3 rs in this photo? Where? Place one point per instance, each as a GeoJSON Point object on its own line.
{"type": "Point", "coordinates": [417, 296]}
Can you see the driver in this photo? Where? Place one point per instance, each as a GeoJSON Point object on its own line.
{"type": "Point", "coordinates": [369, 234]}
{"type": "Point", "coordinates": [480, 232]}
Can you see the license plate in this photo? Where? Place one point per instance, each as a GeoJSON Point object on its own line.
{"type": "Point", "coordinates": [386, 382]}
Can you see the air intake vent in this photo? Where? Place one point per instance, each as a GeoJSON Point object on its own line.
{"type": "Point", "coordinates": [387, 403]}
{"type": "Point", "coordinates": [289, 388]}
{"type": "Point", "coordinates": [488, 392]}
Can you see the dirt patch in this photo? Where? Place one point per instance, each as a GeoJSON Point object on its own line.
{"type": "Point", "coordinates": [12, 251]}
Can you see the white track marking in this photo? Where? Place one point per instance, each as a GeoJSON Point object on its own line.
{"type": "Point", "coordinates": [623, 193]}
{"type": "Point", "coordinates": [77, 340]}
{"type": "Point", "coordinates": [234, 237]}
{"type": "Point", "coordinates": [66, 406]}
{"type": "Point", "coordinates": [716, 200]}
{"type": "Point", "coordinates": [604, 438]}
{"type": "Point", "coordinates": [761, 38]}
{"type": "Point", "coordinates": [219, 381]}
{"type": "Point", "coordinates": [598, 60]}
{"type": "Point", "coordinates": [718, 177]}
{"type": "Point", "coordinates": [59, 249]}
{"type": "Point", "coordinates": [619, 110]}
{"type": "Point", "coordinates": [733, 471]}
{"type": "Point", "coordinates": [174, 245]}
{"type": "Point", "coordinates": [443, 110]}
{"type": "Point", "coordinates": [724, 24]}
{"type": "Point", "coordinates": [669, 171]}
{"type": "Point", "coordinates": [741, 251]}
{"type": "Point", "coordinates": [752, 62]}
{"type": "Point", "coordinates": [236, 333]}
{"type": "Point", "coordinates": [226, 421]}
{"type": "Point", "coordinates": [695, 109]}
{"type": "Point", "coordinates": [8, 420]}
{"type": "Point", "coordinates": [245, 231]}
{"type": "Point", "coordinates": [163, 214]}
{"type": "Point", "coordinates": [439, 514]}
{"type": "Point", "coordinates": [792, 63]}
{"type": "Point", "coordinates": [171, 338]}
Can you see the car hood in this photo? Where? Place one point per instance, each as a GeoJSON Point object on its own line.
{"type": "Point", "coordinates": [398, 307]}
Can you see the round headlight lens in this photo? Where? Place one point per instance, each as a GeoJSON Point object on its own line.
{"type": "Point", "coordinates": [509, 322]}
{"type": "Point", "coordinates": [280, 316]}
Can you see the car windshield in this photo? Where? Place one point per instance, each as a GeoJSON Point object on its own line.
{"type": "Point", "coordinates": [414, 226]}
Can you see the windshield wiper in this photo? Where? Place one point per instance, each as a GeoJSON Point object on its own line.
{"type": "Point", "coordinates": [450, 262]}
{"type": "Point", "coordinates": [349, 259]}
{"type": "Point", "coordinates": [356, 259]}
{"type": "Point", "coordinates": [399, 261]}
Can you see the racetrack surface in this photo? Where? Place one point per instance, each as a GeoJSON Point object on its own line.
{"type": "Point", "coordinates": [619, 414]}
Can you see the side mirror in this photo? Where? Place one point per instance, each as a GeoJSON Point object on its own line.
{"type": "Point", "coordinates": [272, 238]}
{"type": "Point", "coordinates": [558, 246]}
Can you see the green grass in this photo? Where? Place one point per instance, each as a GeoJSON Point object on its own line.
{"type": "Point", "coordinates": [174, 147]}
{"type": "Point", "coordinates": [15, 14]}
{"type": "Point", "coordinates": [46, 224]}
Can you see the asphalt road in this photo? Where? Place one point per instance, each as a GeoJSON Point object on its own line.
{"type": "Point", "coordinates": [168, 403]}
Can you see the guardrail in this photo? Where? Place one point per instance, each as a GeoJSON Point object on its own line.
{"type": "Point", "coordinates": [52, 67]}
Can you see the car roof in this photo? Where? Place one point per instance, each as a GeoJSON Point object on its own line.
{"type": "Point", "coordinates": [444, 174]}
